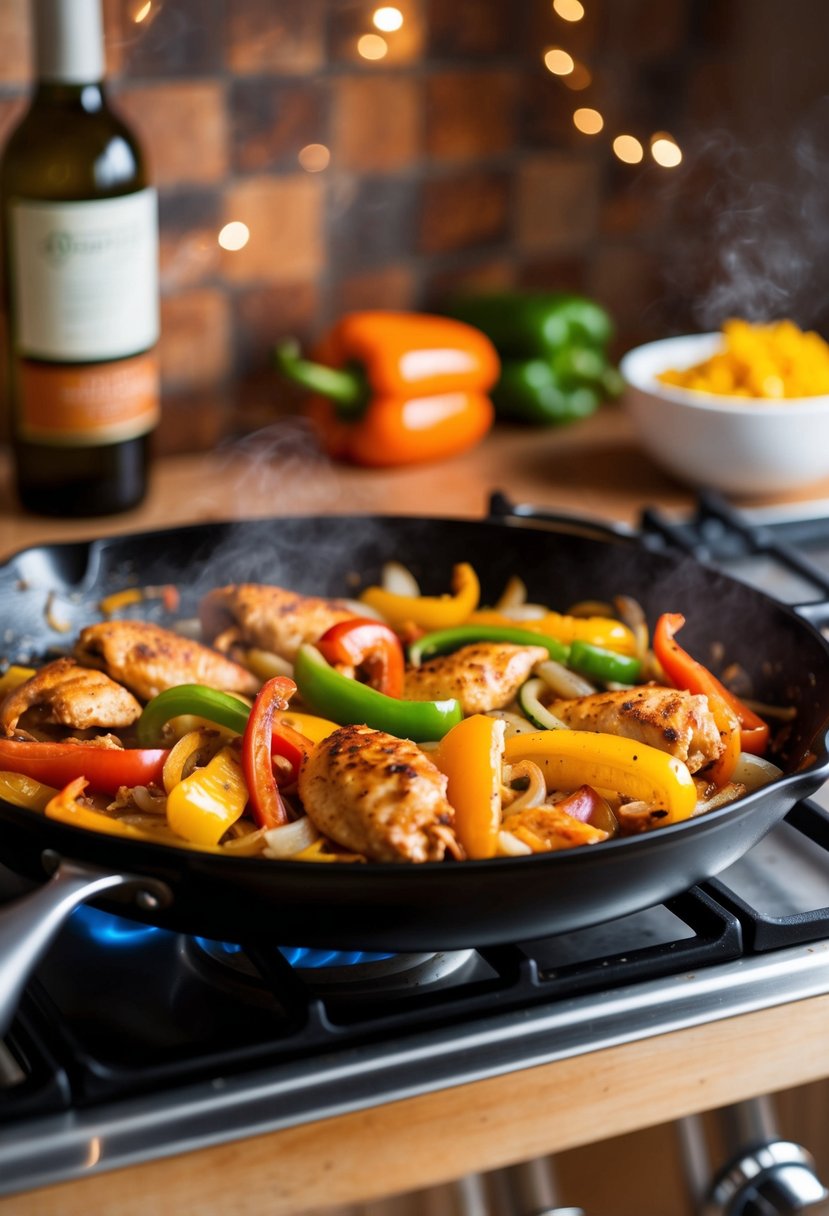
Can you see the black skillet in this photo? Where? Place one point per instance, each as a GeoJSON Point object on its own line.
{"type": "Point", "coordinates": [439, 906]}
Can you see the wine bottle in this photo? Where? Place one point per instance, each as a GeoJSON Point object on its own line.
{"type": "Point", "coordinates": [80, 233]}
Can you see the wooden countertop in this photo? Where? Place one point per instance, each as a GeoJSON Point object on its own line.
{"type": "Point", "coordinates": [594, 468]}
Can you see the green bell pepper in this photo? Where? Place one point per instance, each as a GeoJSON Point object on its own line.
{"type": "Point", "coordinates": [553, 350]}
{"type": "Point", "coordinates": [198, 699]}
{"type": "Point", "coordinates": [328, 692]}
{"type": "Point", "coordinates": [605, 665]}
{"type": "Point", "coordinates": [444, 641]}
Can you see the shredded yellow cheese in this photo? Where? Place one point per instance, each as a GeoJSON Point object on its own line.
{"type": "Point", "coordinates": [773, 361]}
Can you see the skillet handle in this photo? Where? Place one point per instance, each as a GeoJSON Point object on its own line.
{"type": "Point", "coordinates": [28, 925]}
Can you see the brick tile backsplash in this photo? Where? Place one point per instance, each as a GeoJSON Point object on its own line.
{"type": "Point", "coordinates": [284, 217]}
{"type": "Point", "coordinates": [386, 168]}
{"type": "Point", "coordinates": [273, 120]}
{"type": "Point", "coordinates": [557, 203]}
{"type": "Point", "coordinates": [376, 123]}
{"type": "Point", "coordinates": [184, 129]}
{"type": "Point", "coordinates": [470, 113]}
{"type": "Point", "coordinates": [468, 209]}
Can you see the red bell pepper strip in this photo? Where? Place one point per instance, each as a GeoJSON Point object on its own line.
{"type": "Point", "coordinates": [688, 673]}
{"type": "Point", "coordinates": [261, 738]}
{"type": "Point", "coordinates": [105, 768]}
{"type": "Point", "coordinates": [369, 645]}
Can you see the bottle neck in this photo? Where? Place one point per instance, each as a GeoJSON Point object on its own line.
{"type": "Point", "coordinates": [69, 42]}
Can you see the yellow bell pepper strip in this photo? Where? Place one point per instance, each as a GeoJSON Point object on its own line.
{"type": "Point", "coordinates": [313, 728]}
{"type": "Point", "coordinates": [257, 745]}
{"type": "Point", "coordinates": [396, 388]}
{"type": "Point", "coordinates": [471, 755]}
{"type": "Point", "coordinates": [370, 647]}
{"type": "Point", "coordinates": [444, 641]}
{"type": "Point", "coordinates": [105, 768]}
{"type": "Point", "coordinates": [196, 747]}
{"type": "Point", "coordinates": [327, 691]}
{"type": "Point", "coordinates": [685, 672]}
{"type": "Point", "coordinates": [204, 805]}
{"type": "Point", "coordinates": [13, 677]}
{"type": "Point", "coordinates": [25, 791]}
{"type": "Point", "coordinates": [430, 612]}
{"type": "Point", "coordinates": [572, 758]}
{"type": "Point", "coordinates": [595, 630]}
{"type": "Point", "coordinates": [66, 808]}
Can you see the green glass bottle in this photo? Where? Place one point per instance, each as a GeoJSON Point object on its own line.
{"type": "Point", "coordinates": [80, 233]}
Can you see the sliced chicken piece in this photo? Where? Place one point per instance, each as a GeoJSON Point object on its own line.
{"type": "Point", "coordinates": [676, 722]}
{"type": "Point", "coordinates": [483, 676]}
{"type": "Point", "coordinates": [379, 796]}
{"type": "Point", "coordinates": [547, 828]}
{"type": "Point", "coordinates": [270, 618]}
{"type": "Point", "coordinates": [66, 694]}
{"type": "Point", "coordinates": [148, 659]}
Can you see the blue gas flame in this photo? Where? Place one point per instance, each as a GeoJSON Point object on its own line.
{"type": "Point", "coordinates": [117, 932]}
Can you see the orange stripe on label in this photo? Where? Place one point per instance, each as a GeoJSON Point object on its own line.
{"type": "Point", "coordinates": [89, 403]}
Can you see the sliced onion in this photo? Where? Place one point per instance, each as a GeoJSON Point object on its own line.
{"type": "Point", "coordinates": [515, 724]}
{"type": "Point", "coordinates": [728, 793]}
{"type": "Point", "coordinates": [265, 664]}
{"type": "Point", "coordinates": [632, 614]}
{"type": "Point", "coordinates": [290, 838]}
{"type": "Point", "coordinates": [511, 846]}
{"type": "Point", "coordinates": [514, 594]}
{"type": "Point", "coordinates": [360, 609]}
{"type": "Point", "coordinates": [754, 772]}
{"type": "Point", "coordinates": [533, 795]}
{"type": "Point", "coordinates": [525, 612]}
{"type": "Point", "coordinates": [149, 801]}
{"type": "Point", "coordinates": [398, 579]}
{"type": "Point", "coordinates": [562, 681]}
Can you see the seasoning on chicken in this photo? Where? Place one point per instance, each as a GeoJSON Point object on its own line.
{"type": "Point", "coordinates": [147, 659]}
{"type": "Point", "coordinates": [270, 618]}
{"type": "Point", "coordinates": [547, 828]}
{"type": "Point", "coordinates": [65, 694]}
{"type": "Point", "coordinates": [379, 796]}
{"type": "Point", "coordinates": [483, 676]}
{"type": "Point", "coordinates": [675, 721]}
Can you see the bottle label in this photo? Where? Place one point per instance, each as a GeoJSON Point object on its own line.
{"type": "Point", "coordinates": [85, 277]}
{"type": "Point", "coordinates": [88, 404]}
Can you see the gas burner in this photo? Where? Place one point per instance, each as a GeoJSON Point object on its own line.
{"type": "Point", "coordinates": [338, 972]}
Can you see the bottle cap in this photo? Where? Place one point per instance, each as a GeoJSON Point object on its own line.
{"type": "Point", "coordinates": [69, 41]}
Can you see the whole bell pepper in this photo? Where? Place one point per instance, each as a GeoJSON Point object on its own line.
{"type": "Point", "coordinates": [397, 388]}
{"type": "Point", "coordinates": [553, 350]}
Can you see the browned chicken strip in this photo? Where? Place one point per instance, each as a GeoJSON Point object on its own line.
{"type": "Point", "coordinates": [66, 694]}
{"type": "Point", "coordinates": [270, 618]}
{"type": "Point", "coordinates": [379, 796]}
{"type": "Point", "coordinates": [483, 676]}
{"type": "Point", "coordinates": [676, 722]}
{"type": "Point", "coordinates": [148, 659]}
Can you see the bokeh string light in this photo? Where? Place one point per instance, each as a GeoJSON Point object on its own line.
{"type": "Point", "coordinates": [664, 149]}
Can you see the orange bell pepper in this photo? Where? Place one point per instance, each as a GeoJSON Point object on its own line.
{"type": "Point", "coordinates": [397, 388]}
{"type": "Point", "coordinates": [471, 755]}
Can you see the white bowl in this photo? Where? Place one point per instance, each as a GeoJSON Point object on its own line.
{"type": "Point", "coordinates": [739, 445]}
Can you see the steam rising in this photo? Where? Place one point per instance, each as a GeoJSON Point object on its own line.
{"type": "Point", "coordinates": [748, 228]}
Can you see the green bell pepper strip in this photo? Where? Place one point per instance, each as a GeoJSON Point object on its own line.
{"type": "Point", "coordinates": [604, 665]}
{"type": "Point", "coordinates": [328, 692]}
{"type": "Point", "coordinates": [444, 641]}
{"type": "Point", "coordinates": [198, 699]}
{"type": "Point", "coordinates": [525, 324]}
